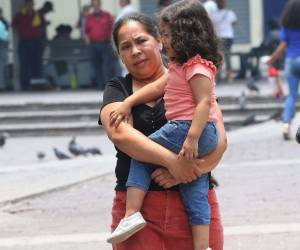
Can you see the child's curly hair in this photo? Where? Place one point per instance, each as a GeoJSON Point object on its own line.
{"type": "Point", "coordinates": [192, 31]}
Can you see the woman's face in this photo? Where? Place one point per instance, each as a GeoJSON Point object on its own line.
{"type": "Point", "coordinates": [139, 51]}
{"type": "Point", "coordinates": [166, 38]}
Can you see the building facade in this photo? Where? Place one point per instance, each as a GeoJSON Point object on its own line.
{"type": "Point", "coordinates": [252, 17]}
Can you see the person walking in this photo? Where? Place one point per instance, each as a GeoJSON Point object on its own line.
{"type": "Point", "coordinates": [210, 6]}
{"type": "Point", "coordinates": [126, 8]}
{"type": "Point", "coordinates": [98, 28]}
{"type": "Point", "coordinates": [138, 43]}
{"type": "Point", "coordinates": [29, 27]}
{"type": "Point", "coordinates": [290, 43]}
{"type": "Point", "coordinates": [3, 49]}
{"type": "Point", "coordinates": [224, 20]}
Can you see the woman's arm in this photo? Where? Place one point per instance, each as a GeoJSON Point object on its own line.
{"type": "Point", "coordinates": [140, 147]}
{"type": "Point", "coordinates": [277, 53]}
{"type": "Point", "coordinates": [210, 161]}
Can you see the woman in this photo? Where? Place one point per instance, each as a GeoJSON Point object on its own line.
{"type": "Point", "coordinates": [137, 40]}
{"type": "Point", "coordinates": [290, 41]}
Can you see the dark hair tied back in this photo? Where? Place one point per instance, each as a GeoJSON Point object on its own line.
{"type": "Point", "coordinates": [149, 24]}
{"type": "Point", "coordinates": [290, 17]}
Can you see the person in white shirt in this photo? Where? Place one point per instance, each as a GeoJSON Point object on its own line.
{"type": "Point", "coordinates": [210, 6]}
{"type": "Point", "coordinates": [224, 20]}
{"type": "Point", "coordinates": [126, 8]}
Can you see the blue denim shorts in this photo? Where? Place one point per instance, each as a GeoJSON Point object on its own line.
{"type": "Point", "coordinates": [173, 134]}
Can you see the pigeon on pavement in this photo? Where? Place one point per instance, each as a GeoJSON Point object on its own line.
{"type": "Point", "coordinates": [60, 155]}
{"type": "Point", "coordinates": [75, 148]}
{"type": "Point", "coordinates": [3, 138]}
{"type": "Point", "coordinates": [41, 155]}
{"type": "Point", "coordinates": [242, 100]}
{"type": "Point", "coordinates": [249, 120]}
{"type": "Point", "coordinates": [251, 86]}
{"type": "Point", "coordinates": [93, 151]}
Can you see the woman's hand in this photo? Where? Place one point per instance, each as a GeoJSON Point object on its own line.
{"type": "Point", "coordinates": [163, 178]}
{"type": "Point", "coordinates": [184, 170]}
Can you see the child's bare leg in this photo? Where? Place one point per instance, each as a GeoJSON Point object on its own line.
{"type": "Point", "coordinates": [200, 237]}
{"type": "Point", "coordinates": [279, 84]}
{"type": "Point", "coordinates": [134, 200]}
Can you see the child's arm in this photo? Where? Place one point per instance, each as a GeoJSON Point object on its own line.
{"type": "Point", "coordinates": [147, 93]}
{"type": "Point", "coordinates": [202, 90]}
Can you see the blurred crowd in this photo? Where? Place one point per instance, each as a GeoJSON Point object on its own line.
{"type": "Point", "coordinates": [39, 56]}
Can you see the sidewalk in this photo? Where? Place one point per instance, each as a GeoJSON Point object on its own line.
{"type": "Point", "coordinates": [23, 175]}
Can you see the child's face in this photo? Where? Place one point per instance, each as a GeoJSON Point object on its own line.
{"type": "Point", "coordinates": [166, 39]}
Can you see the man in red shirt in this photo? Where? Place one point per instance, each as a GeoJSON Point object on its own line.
{"type": "Point", "coordinates": [29, 27]}
{"type": "Point", "coordinates": [98, 30]}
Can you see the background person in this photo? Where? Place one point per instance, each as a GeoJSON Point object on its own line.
{"type": "Point", "coordinates": [4, 32]}
{"type": "Point", "coordinates": [137, 36]}
{"type": "Point", "coordinates": [98, 28]}
{"type": "Point", "coordinates": [290, 42]}
{"type": "Point", "coordinates": [126, 8]}
{"type": "Point", "coordinates": [224, 20]}
{"type": "Point", "coordinates": [29, 27]}
{"type": "Point", "coordinates": [210, 6]}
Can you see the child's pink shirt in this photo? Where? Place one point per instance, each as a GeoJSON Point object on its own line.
{"type": "Point", "coordinates": [179, 100]}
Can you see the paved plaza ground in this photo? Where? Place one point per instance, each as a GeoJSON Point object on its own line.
{"type": "Point", "coordinates": [259, 192]}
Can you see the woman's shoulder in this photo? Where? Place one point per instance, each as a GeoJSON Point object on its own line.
{"type": "Point", "coordinates": [123, 83]}
{"type": "Point", "coordinates": [197, 60]}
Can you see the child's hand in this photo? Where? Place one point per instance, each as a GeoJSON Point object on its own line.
{"type": "Point", "coordinates": [189, 148]}
{"type": "Point", "coordinates": [122, 113]}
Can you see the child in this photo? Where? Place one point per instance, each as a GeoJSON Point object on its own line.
{"type": "Point", "coordinates": [189, 93]}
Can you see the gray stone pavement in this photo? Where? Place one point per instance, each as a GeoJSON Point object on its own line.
{"type": "Point", "coordinates": [259, 189]}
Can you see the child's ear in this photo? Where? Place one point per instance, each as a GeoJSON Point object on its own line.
{"type": "Point", "coordinates": [160, 44]}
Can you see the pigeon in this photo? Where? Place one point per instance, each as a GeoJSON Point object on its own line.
{"type": "Point", "coordinates": [41, 155]}
{"type": "Point", "coordinates": [3, 138]}
{"type": "Point", "coordinates": [75, 148]}
{"type": "Point", "coordinates": [251, 86]}
{"type": "Point", "coordinates": [60, 155]}
{"type": "Point", "coordinates": [298, 135]}
{"type": "Point", "coordinates": [93, 151]}
{"type": "Point", "coordinates": [242, 100]}
{"type": "Point", "coordinates": [249, 120]}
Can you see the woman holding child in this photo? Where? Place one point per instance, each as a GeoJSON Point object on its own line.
{"type": "Point", "coordinates": [139, 44]}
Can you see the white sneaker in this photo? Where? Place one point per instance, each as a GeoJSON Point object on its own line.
{"type": "Point", "coordinates": [286, 131]}
{"type": "Point", "coordinates": [127, 227]}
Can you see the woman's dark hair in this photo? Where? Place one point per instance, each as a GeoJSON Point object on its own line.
{"type": "Point", "coordinates": [273, 24]}
{"type": "Point", "coordinates": [148, 23]}
{"type": "Point", "coordinates": [192, 32]}
{"type": "Point", "coordinates": [290, 17]}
